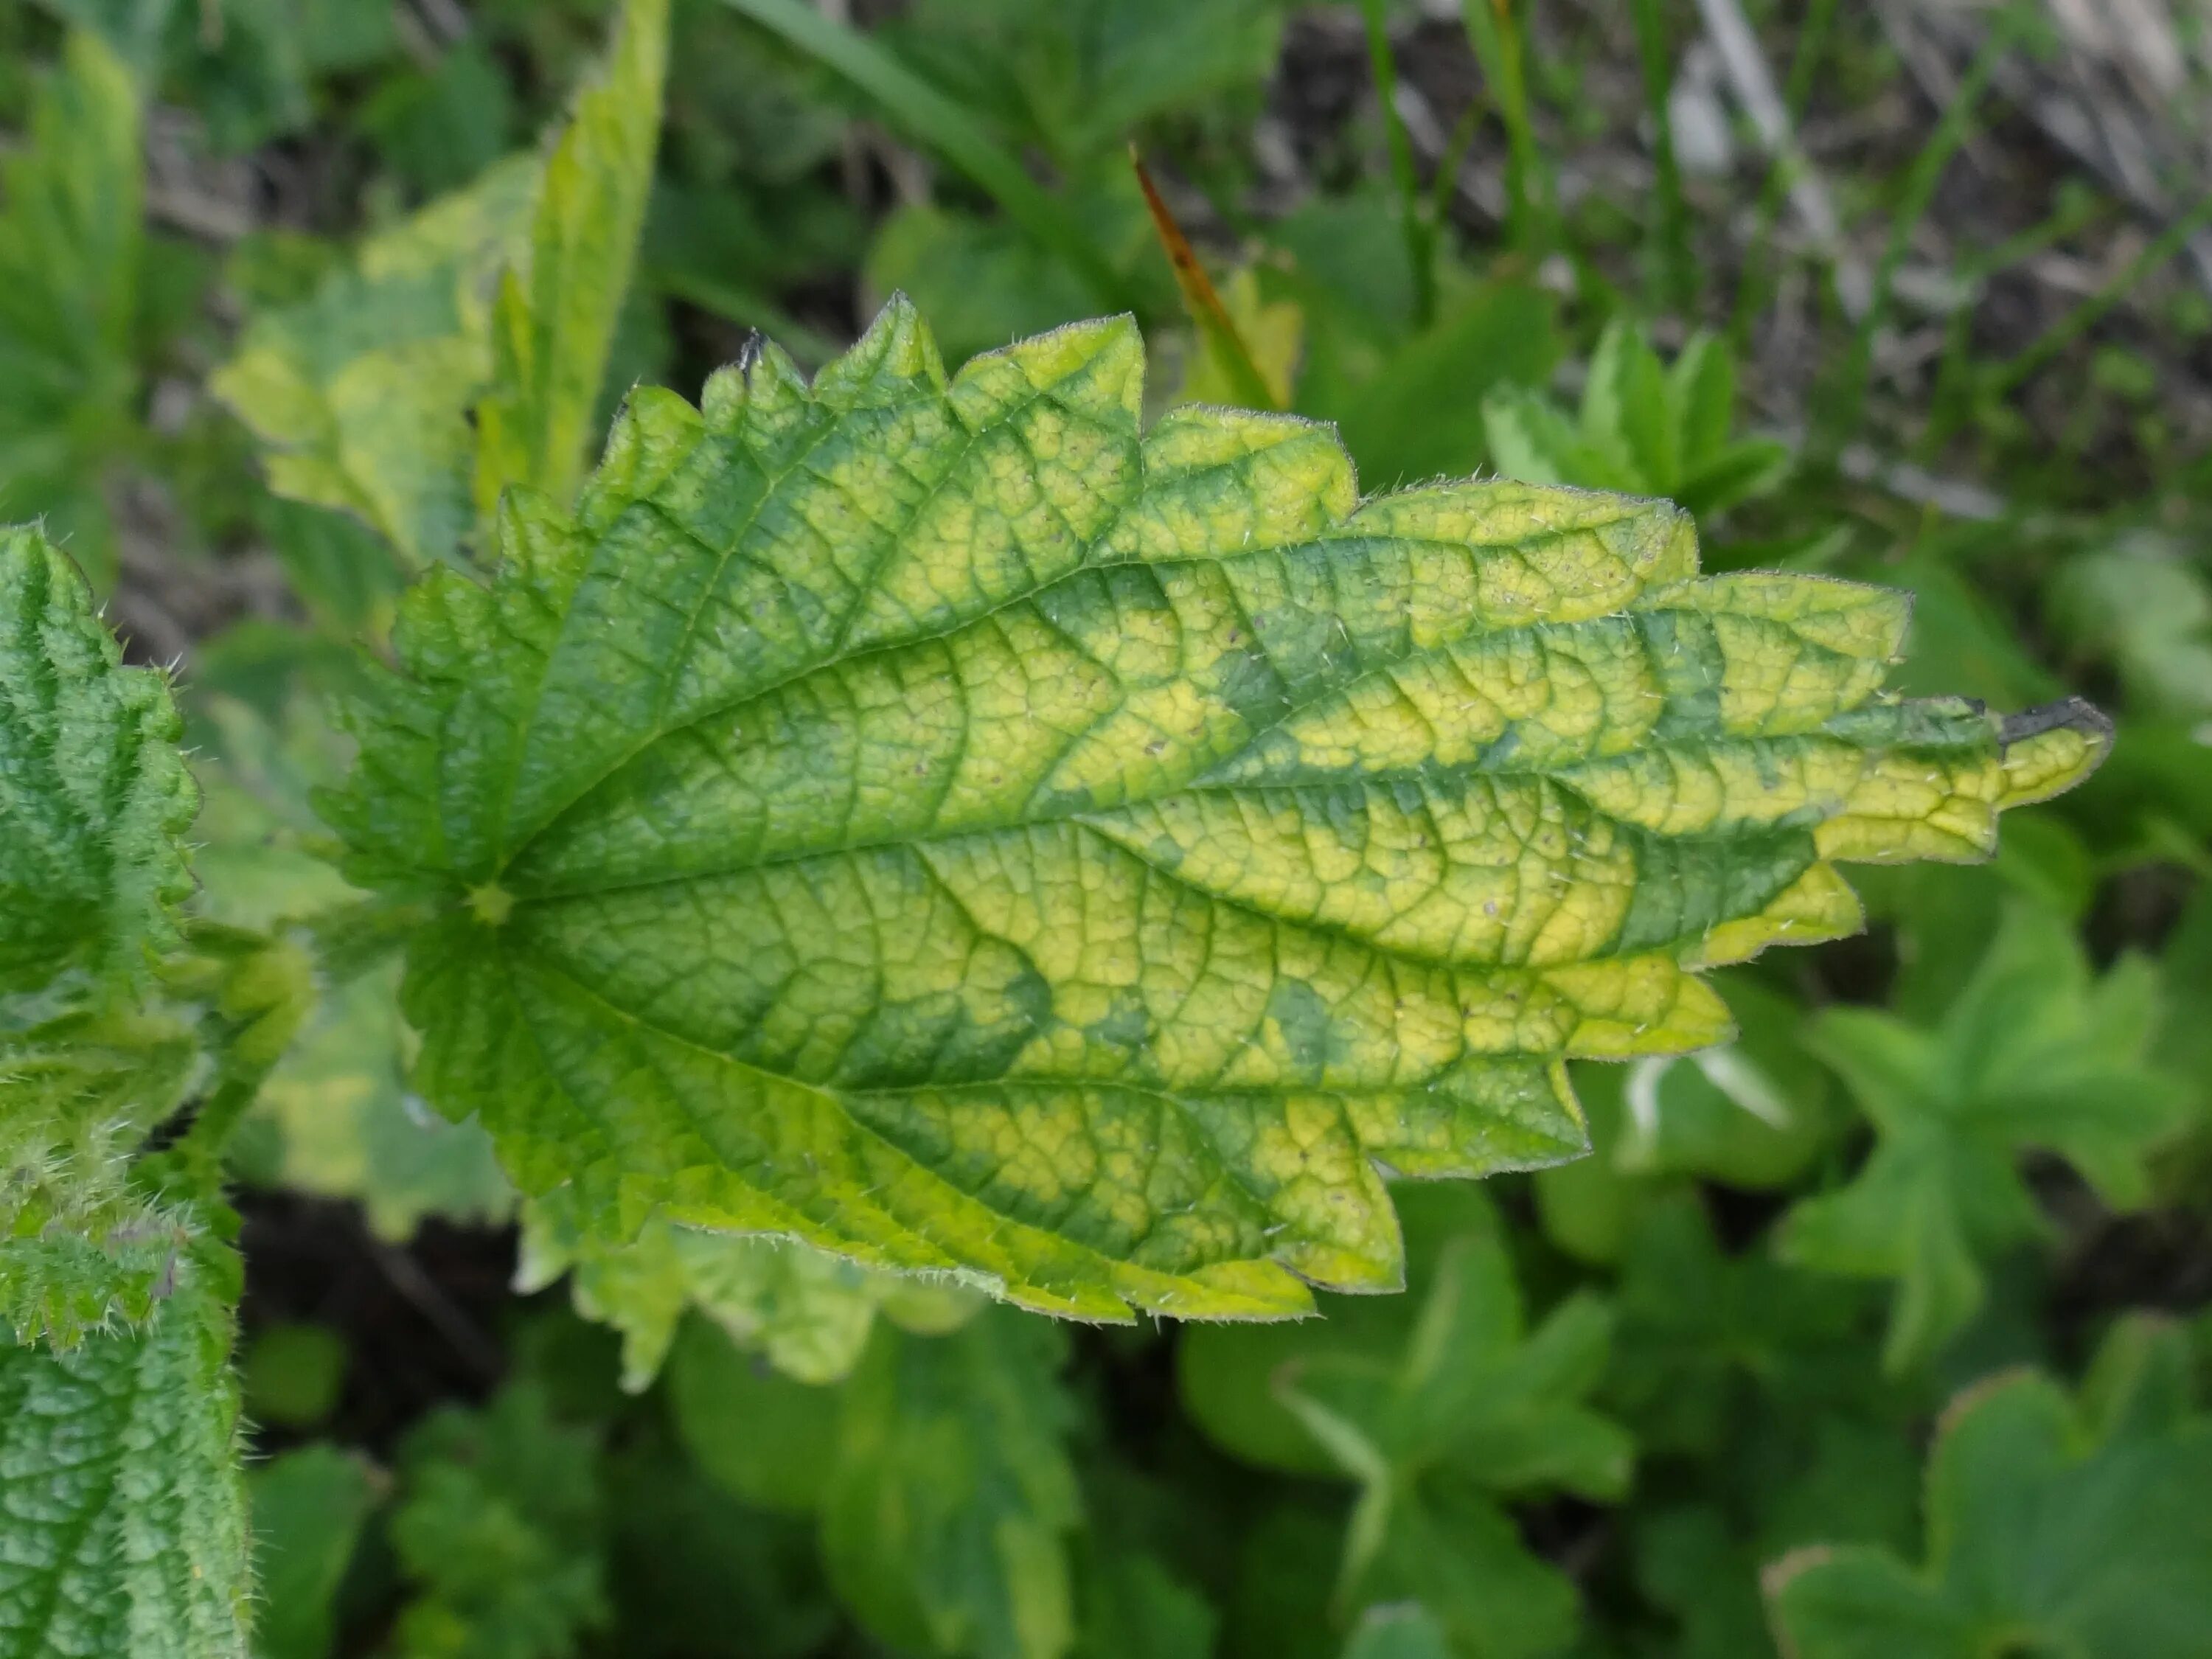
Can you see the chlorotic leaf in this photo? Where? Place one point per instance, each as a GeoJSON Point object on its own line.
{"type": "Point", "coordinates": [808, 1312]}
{"type": "Point", "coordinates": [94, 798]}
{"type": "Point", "coordinates": [347, 1127]}
{"type": "Point", "coordinates": [2048, 1531]}
{"type": "Point", "coordinates": [552, 327]}
{"type": "Point", "coordinates": [72, 239]}
{"type": "Point", "coordinates": [360, 393]}
{"type": "Point", "coordinates": [122, 1512]}
{"type": "Point", "coordinates": [935, 819]}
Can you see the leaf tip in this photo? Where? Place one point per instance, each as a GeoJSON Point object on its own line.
{"type": "Point", "coordinates": [2049, 749]}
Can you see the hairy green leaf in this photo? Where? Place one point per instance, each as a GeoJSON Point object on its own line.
{"type": "Point", "coordinates": [939, 820]}
{"type": "Point", "coordinates": [122, 1513]}
{"type": "Point", "coordinates": [552, 327]}
{"type": "Point", "coordinates": [94, 798]}
{"type": "Point", "coordinates": [2034, 1053]}
{"type": "Point", "coordinates": [2053, 1526]}
{"type": "Point", "coordinates": [81, 1242]}
{"type": "Point", "coordinates": [71, 244]}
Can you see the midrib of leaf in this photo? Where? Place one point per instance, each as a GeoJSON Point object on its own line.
{"type": "Point", "coordinates": [1027, 814]}
{"type": "Point", "coordinates": [835, 655]}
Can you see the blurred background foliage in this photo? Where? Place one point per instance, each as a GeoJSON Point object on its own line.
{"type": "Point", "coordinates": [1878, 1331]}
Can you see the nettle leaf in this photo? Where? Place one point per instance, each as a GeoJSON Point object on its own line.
{"type": "Point", "coordinates": [807, 1311]}
{"type": "Point", "coordinates": [360, 393]}
{"type": "Point", "coordinates": [463, 347]}
{"type": "Point", "coordinates": [553, 326]}
{"type": "Point", "coordinates": [2034, 1053]}
{"type": "Point", "coordinates": [939, 820]}
{"type": "Point", "coordinates": [125, 1512]}
{"type": "Point", "coordinates": [2053, 1526]}
{"type": "Point", "coordinates": [94, 801]}
{"type": "Point", "coordinates": [945, 1518]}
{"type": "Point", "coordinates": [938, 1471]}
{"type": "Point", "coordinates": [94, 798]}
{"type": "Point", "coordinates": [81, 1242]}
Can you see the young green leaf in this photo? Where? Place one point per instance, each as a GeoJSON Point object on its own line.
{"type": "Point", "coordinates": [939, 820]}
{"type": "Point", "coordinates": [70, 245]}
{"type": "Point", "coordinates": [553, 326]}
{"type": "Point", "coordinates": [945, 1520]}
{"type": "Point", "coordinates": [2053, 1526]}
{"type": "Point", "coordinates": [499, 1529]}
{"type": "Point", "coordinates": [309, 1507]}
{"type": "Point", "coordinates": [122, 1513]}
{"type": "Point", "coordinates": [94, 799]}
{"type": "Point", "coordinates": [1475, 1407]}
{"type": "Point", "coordinates": [2034, 1053]}
{"type": "Point", "coordinates": [1642, 426]}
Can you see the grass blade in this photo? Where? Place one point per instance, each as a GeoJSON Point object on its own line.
{"type": "Point", "coordinates": [1952, 131]}
{"type": "Point", "coordinates": [1753, 290]}
{"type": "Point", "coordinates": [927, 116]}
{"type": "Point", "coordinates": [2085, 315]}
{"type": "Point", "coordinates": [1216, 330]}
{"type": "Point", "coordinates": [1677, 276]}
{"type": "Point", "coordinates": [1420, 234]}
{"type": "Point", "coordinates": [1494, 32]}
